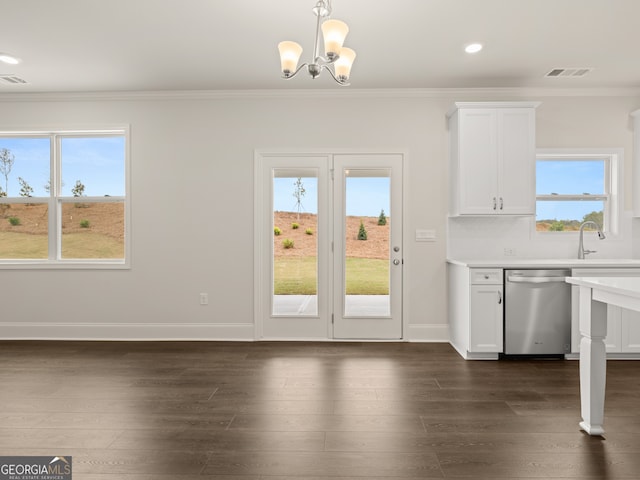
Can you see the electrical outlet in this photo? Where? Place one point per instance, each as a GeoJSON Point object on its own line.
{"type": "Point", "coordinates": [509, 252]}
{"type": "Point", "coordinates": [204, 299]}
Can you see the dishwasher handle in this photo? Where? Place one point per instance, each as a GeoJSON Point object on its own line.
{"type": "Point", "coordinates": [516, 279]}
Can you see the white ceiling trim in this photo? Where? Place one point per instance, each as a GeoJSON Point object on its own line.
{"type": "Point", "coordinates": [460, 93]}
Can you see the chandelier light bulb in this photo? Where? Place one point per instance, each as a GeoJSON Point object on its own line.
{"type": "Point", "coordinates": [334, 33]}
{"type": "Point", "coordinates": [289, 55]}
{"type": "Point", "coordinates": [344, 63]}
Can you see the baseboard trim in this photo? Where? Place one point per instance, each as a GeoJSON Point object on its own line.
{"type": "Point", "coordinates": [437, 333]}
{"type": "Point", "coordinates": [127, 331]}
{"type": "Point", "coordinates": [610, 356]}
{"type": "Point", "coordinates": [174, 332]}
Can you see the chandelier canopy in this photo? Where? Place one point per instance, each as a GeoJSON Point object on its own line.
{"type": "Point", "coordinates": [335, 55]}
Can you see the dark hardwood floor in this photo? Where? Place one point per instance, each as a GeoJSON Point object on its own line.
{"type": "Point", "coordinates": [309, 411]}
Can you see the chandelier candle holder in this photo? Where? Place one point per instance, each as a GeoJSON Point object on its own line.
{"type": "Point", "coordinates": [334, 33]}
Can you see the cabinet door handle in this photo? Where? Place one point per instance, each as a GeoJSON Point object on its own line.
{"type": "Point", "coordinates": [501, 203]}
{"type": "Point", "coordinates": [495, 205]}
{"type": "Point", "coordinates": [499, 298]}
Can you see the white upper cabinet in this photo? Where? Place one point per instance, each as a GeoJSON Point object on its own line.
{"type": "Point", "coordinates": [492, 158]}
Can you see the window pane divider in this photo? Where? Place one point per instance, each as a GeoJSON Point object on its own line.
{"type": "Point", "coordinates": [555, 198]}
{"type": "Point", "coordinates": [103, 199]}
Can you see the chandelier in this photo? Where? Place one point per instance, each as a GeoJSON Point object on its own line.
{"type": "Point", "coordinates": [334, 33]}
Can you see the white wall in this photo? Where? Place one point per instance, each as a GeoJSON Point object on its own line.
{"type": "Point", "coordinates": [192, 180]}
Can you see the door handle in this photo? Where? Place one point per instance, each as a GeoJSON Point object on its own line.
{"type": "Point", "coordinates": [499, 298]}
{"type": "Point", "coordinates": [396, 262]}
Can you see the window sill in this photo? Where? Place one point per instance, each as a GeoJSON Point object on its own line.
{"type": "Point", "coordinates": [63, 265]}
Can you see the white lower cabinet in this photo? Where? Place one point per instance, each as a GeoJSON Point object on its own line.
{"type": "Point", "coordinates": [486, 318]}
{"type": "Point", "coordinates": [476, 311]}
{"type": "Point", "coordinates": [623, 326]}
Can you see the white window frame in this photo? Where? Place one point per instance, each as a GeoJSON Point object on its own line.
{"type": "Point", "coordinates": [56, 200]}
{"type": "Point", "coordinates": [613, 194]}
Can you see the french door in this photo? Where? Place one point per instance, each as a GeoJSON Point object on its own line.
{"type": "Point", "coordinates": [367, 258]}
{"type": "Point", "coordinates": [328, 257]}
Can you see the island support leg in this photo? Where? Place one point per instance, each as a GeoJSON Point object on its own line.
{"type": "Point", "coordinates": [593, 365]}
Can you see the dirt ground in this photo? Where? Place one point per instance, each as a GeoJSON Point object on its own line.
{"type": "Point", "coordinates": [108, 219]}
{"type": "Point", "coordinates": [376, 245]}
{"type": "Point", "coordinates": [104, 218]}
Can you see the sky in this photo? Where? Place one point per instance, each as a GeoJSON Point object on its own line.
{"type": "Point", "coordinates": [98, 162]}
{"type": "Point", "coordinates": [366, 197]}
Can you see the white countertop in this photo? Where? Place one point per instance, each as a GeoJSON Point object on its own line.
{"type": "Point", "coordinates": [629, 286]}
{"type": "Point", "coordinates": [547, 263]}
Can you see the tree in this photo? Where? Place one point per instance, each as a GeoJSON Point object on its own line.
{"type": "Point", "coordinates": [78, 189]}
{"type": "Point", "coordinates": [3, 206]}
{"type": "Point", "coordinates": [362, 232]}
{"type": "Point", "coordinates": [25, 188]}
{"type": "Point", "coordinates": [594, 217]}
{"type": "Point", "coordinates": [556, 226]}
{"type": "Point", "coordinates": [382, 219]}
{"type": "Point", "coordinates": [6, 164]}
{"type": "Point", "coordinates": [298, 193]}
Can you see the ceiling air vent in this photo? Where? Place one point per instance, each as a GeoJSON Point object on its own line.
{"type": "Point", "coordinates": [12, 79]}
{"type": "Point", "coordinates": [568, 72]}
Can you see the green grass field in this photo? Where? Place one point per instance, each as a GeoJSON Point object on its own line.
{"type": "Point", "coordinates": [74, 245]}
{"type": "Point", "coordinates": [22, 245]}
{"type": "Point", "coordinates": [297, 276]}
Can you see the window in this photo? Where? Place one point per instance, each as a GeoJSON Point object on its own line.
{"type": "Point", "coordinates": [63, 198]}
{"type": "Point", "coordinates": [573, 187]}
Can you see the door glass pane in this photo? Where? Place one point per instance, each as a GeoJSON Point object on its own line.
{"type": "Point", "coordinates": [367, 205]}
{"type": "Point", "coordinates": [295, 245]}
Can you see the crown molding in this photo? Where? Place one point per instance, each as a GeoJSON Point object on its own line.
{"type": "Point", "coordinates": [448, 93]}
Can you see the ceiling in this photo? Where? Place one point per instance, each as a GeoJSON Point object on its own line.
{"type": "Point", "coordinates": [184, 45]}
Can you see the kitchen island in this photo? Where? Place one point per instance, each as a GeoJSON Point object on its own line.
{"type": "Point", "coordinates": [618, 291]}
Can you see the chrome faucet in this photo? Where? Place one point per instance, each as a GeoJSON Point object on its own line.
{"type": "Point", "coordinates": [581, 251]}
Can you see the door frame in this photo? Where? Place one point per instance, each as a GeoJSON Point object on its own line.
{"type": "Point", "coordinates": [260, 264]}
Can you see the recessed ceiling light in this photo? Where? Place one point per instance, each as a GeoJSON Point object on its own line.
{"type": "Point", "coordinates": [10, 59]}
{"type": "Point", "coordinates": [473, 48]}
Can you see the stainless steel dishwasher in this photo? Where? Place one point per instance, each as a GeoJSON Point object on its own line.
{"type": "Point", "coordinates": [537, 317]}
